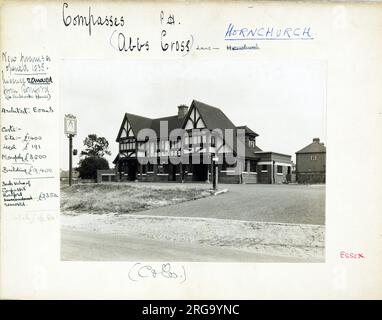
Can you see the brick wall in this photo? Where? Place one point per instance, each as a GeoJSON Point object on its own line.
{"type": "Point", "coordinates": [250, 177]}
{"type": "Point", "coordinates": [305, 164]}
{"type": "Point", "coordinates": [266, 176]}
{"type": "Point", "coordinates": [107, 176]}
{"type": "Point", "coordinates": [308, 170]}
{"type": "Point", "coordinates": [311, 177]}
{"type": "Point", "coordinates": [262, 175]}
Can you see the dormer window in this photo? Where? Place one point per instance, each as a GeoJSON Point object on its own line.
{"type": "Point", "coordinates": [251, 143]}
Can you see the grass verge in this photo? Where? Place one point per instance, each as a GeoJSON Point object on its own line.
{"type": "Point", "coordinates": [99, 198]}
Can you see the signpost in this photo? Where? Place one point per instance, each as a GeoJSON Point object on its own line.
{"type": "Point", "coordinates": [215, 172]}
{"type": "Point", "coordinates": [70, 129]}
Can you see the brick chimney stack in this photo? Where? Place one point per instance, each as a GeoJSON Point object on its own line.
{"type": "Point", "coordinates": [182, 111]}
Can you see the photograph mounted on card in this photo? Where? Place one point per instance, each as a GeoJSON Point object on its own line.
{"type": "Point", "coordinates": [189, 150]}
{"type": "Point", "coordinates": [192, 169]}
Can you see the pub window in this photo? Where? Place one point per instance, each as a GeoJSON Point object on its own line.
{"type": "Point", "coordinates": [213, 141]}
{"type": "Point", "coordinates": [150, 167]}
{"type": "Point", "coordinates": [197, 140]}
{"type": "Point", "coordinates": [144, 168]}
{"type": "Point", "coordinates": [252, 166]}
{"type": "Point", "coordinates": [264, 167]}
{"type": "Point", "coordinates": [279, 169]}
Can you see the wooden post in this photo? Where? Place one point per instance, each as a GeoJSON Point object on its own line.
{"type": "Point", "coordinates": [70, 129]}
{"type": "Point", "coordinates": [215, 173]}
{"type": "Point", "coordinates": [70, 158]}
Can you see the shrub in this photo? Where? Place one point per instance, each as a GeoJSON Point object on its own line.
{"type": "Point", "coordinates": [88, 167]}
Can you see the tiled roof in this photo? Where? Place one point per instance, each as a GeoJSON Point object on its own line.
{"type": "Point", "coordinates": [213, 117]}
{"type": "Point", "coordinates": [173, 122]}
{"type": "Point", "coordinates": [248, 130]}
{"type": "Point", "coordinates": [138, 123]}
{"type": "Point", "coordinates": [315, 147]}
{"type": "Point", "coordinates": [250, 151]}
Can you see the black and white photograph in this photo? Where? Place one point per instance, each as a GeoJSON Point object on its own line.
{"type": "Point", "coordinates": [204, 161]}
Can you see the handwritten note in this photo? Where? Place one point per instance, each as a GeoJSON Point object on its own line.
{"type": "Point", "coordinates": [121, 38]}
{"type": "Point", "coordinates": [140, 271]}
{"type": "Point", "coordinates": [26, 107]}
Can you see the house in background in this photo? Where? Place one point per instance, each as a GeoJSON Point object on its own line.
{"type": "Point", "coordinates": [311, 163]}
{"type": "Point", "coordinates": [256, 166]}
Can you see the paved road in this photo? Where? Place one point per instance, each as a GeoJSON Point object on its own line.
{"type": "Point", "coordinates": [90, 246]}
{"type": "Point", "coordinates": [255, 202]}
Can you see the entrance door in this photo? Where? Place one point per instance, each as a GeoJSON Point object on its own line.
{"type": "Point", "coordinates": [199, 172]}
{"type": "Point", "coordinates": [132, 170]}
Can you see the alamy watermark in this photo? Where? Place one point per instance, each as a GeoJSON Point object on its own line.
{"type": "Point", "coordinates": [195, 146]}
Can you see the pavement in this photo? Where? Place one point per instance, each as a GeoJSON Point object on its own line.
{"type": "Point", "coordinates": [90, 246]}
{"type": "Point", "coordinates": [299, 204]}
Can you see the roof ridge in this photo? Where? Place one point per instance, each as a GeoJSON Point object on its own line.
{"type": "Point", "coordinates": [136, 115]}
{"type": "Point", "coordinates": [175, 115]}
{"type": "Point", "coordinates": [308, 149]}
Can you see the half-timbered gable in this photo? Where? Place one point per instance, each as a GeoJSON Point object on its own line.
{"type": "Point", "coordinates": [193, 119]}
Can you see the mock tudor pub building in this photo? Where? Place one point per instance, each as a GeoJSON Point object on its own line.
{"type": "Point", "coordinates": [143, 158]}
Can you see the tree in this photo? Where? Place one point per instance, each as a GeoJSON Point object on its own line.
{"type": "Point", "coordinates": [95, 149]}
{"type": "Point", "coordinates": [88, 167]}
{"type": "Point", "coordinates": [95, 146]}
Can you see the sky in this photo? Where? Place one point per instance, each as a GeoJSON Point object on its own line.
{"type": "Point", "coordinates": [282, 101]}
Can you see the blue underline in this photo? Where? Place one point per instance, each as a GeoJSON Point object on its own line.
{"type": "Point", "coordinates": [228, 39]}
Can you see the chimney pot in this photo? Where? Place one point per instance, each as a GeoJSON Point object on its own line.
{"type": "Point", "coordinates": [182, 110]}
{"type": "Point", "coordinates": [316, 140]}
